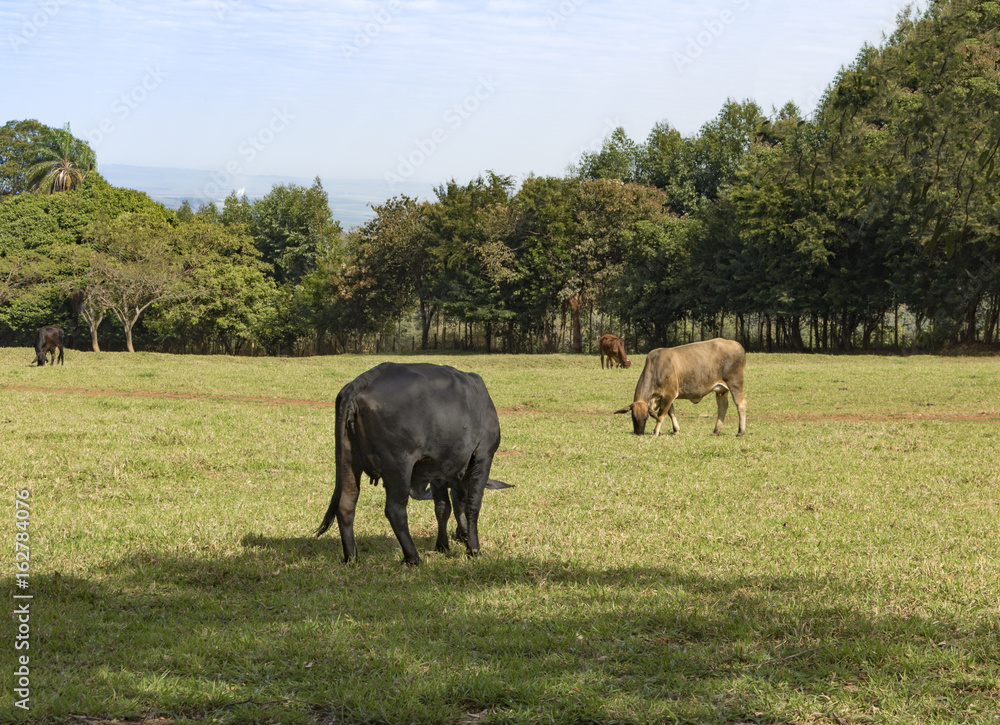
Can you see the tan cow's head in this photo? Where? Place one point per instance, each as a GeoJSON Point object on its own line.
{"type": "Point", "coordinates": [640, 412]}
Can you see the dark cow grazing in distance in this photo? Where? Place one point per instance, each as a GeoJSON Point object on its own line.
{"type": "Point", "coordinates": [614, 349]}
{"type": "Point", "coordinates": [423, 430]}
{"type": "Point", "coordinates": [49, 339]}
{"type": "Point", "coordinates": [689, 372]}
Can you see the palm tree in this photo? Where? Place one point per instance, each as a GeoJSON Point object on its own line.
{"type": "Point", "coordinates": [60, 161]}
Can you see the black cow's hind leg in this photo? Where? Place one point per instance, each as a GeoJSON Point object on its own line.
{"type": "Point", "coordinates": [343, 505]}
{"type": "Point", "coordinates": [461, 520]}
{"type": "Point", "coordinates": [442, 510]}
{"type": "Point", "coordinates": [345, 522]}
{"type": "Point", "coordinates": [396, 497]}
{"type": "Point", "coordinates": [476, 478]}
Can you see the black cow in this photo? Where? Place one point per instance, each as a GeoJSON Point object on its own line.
{"type": "Point", "coordinates": [422, 429]}
{"type": "Point", "coordinates": [49, 339]}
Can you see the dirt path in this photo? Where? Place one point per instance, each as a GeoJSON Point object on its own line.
{"type": "Point", "coordinates": [982, 417]}
{"type": "Point", "coordinates": [168, 394]}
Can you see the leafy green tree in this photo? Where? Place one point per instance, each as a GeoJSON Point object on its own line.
{"type": "Point", "coordinates": [784, 226]}
{"type": "Point", "coordinates": [59, 161]}
{"type": "Point", "coordinates": [99, 199]}
{"type": "Point", "coordinates": [365, 285]}
{"type": "Point", "coordinates": [898, 163]}
{"type": "Point", "coordinates": [31, 221]}
{"type": "Point", "coordinates": [542, 241]}
{"type": "Point", "coordinates": [237, 209]}
{"type": "Point", "coordinates": [721, 144]}
{"type": "Point", "coordinates": [41, 245]}
{"type": "Point", "coordinates": [28, 291]}
{"type": "Point", "coordinates": [667, 161]}
{"type": "Point", "coordinates": [619, 158]}
{"type": "Point", "coordinates": [803, 249]}
{"type": "Point", "coordinates": [291, 227]}
{"type": "Point", "coordinates": [184, 212]}
{"type": "Point", "coordinates": [650, 293]}
{"type": "Point", "coordinates": [466, 237]}
{"type": "Point", "coordinates": [93, 307]}
{"type": "Point", "coordinates": [612, 222]}
{"type": "Point", "coordinates": [933, 90]}
{"type": "Point", "coordinates": [231, 299]}
{"type": "Point", "coordinates": [209, 212]}
{"type": "Point", "coordinates": [135, 265]}
{"type": "Point", "coordinates": [16, 141]}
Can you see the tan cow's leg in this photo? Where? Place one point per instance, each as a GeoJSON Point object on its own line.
{"type": "Point", "coordinates": [661, 415]}
{"type": "Point", "coordinates": [741, 405]}
{"type": "Point", "coordinates": [673, 417]}
{"type": "Point", "coordinates": [722, 401]}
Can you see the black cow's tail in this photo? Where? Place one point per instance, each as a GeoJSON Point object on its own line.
{"type": "Point", "coordinates": [345, 400]}
{"type": "Point", "coordinates": [331, 514]}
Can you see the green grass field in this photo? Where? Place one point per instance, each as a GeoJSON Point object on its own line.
{"type": "Point", "coordinates": [838, 564]}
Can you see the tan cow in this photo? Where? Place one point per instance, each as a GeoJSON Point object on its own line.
{"type": "Point", "coordinates": [689, 372]}
{"type": "Point", "coordinates": [614, 349]}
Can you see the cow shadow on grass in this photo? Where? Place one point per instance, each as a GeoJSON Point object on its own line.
{"type": "Point", "coordinates": [283, 623]}
{"type": "Point", "coordinates": [293, 548]}
{"type": "Point", "coordinates": [384, 547]}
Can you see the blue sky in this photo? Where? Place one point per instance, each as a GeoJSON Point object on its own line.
{"type": "Point", "coordinates": [407, 90]}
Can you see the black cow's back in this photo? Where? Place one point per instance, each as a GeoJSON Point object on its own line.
{"type": "Point", "coordinates": [421, 412]}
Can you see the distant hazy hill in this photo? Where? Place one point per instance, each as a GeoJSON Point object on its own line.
{"type": "Point", "coordinates": [349, 198]}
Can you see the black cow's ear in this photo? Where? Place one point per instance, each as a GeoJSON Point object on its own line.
{"type": "Point", "coordinates": [626, 409]}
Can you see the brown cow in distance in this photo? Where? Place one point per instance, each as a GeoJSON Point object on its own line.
{"type": "Point", "coordinates": [49, 339]}
{"type": "Point", "coordinates": [689, 372]}
{"type": "Point", "coordinates": [614, 349]}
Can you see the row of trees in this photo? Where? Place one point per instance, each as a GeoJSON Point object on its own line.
{"type": "Point", "coordinates": [784, 231]}
{"type": "Point", "coordinates": [96, 254]}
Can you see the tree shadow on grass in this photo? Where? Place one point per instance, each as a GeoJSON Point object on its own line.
{"type": "Point", "coordinates": [286, 629]}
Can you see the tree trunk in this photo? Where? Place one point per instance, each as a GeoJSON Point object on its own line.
{"type": "Point", "coordinates": [849, 322]}
{"type": "Point", "coordinates": [895, 328]}
{"type": "Point", "coordinates": [868, 330]}
{"type": "Point", "coordinates": [795, 334]}
{"type": "Point", "coordinates": [93, 337]}
{"type": "Point", "coordinates": [127, 325]}
{"type": "Point", "coordinates": [992, 318]}
{"type": "Point", "coordinates": [426, 318]}
{"type": "Point", "coordinates": [93, 322]}
{"type": "Point", "coordinates": [969, 333]}
{"type": "Point", "coordinates": [574, 311]}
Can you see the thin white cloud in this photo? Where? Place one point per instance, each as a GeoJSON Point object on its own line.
{"type": "Point", "coordinates": [367, 80]}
